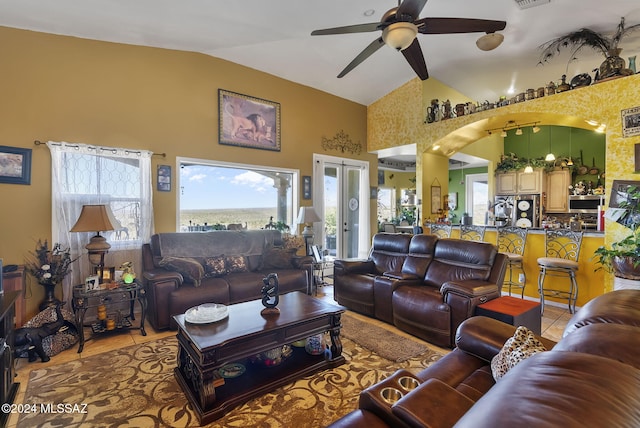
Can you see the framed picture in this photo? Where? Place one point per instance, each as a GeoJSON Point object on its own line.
{"type": "Point", "coordinates": [436, 199]}
{"type": "Point", "coordinates": [108, 273]}
{"type": "Point", "coordinates": [15, 165]}
{"type": "Point", "coordinates": [631, 122]}
{"type": "Point", "coordinates": [306, 187]}
{"type": "Point", "coordinates": [164, 178]}
{"type": "Point", "coordinates": [373, 192]}
{"type": "Point", "coordinates": [92, 283]}
{"type": "Point", "coordinates": [380, 177]}
{"type": "Point", "coordinates": [248, 122]}
{"type": "Point", "coordinates": [316, 254]}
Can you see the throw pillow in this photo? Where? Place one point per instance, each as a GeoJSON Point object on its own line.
{"type": "Point", "coordinates": [519, 347]}
{"type": "Point", "coordinates": [236, 264]}
{"type": "Point", "coordinates": [214, 266]}
{"type": "Point", "coordinates": [278, 258]}
{"type": "Point", "coordinates": [191, 269]}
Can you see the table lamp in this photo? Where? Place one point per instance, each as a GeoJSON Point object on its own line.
{"type": "Point", "coordinates": [96, 218]}
{"type": "Point", "coordinates": [307, 216]}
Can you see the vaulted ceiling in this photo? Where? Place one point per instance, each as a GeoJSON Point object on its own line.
{"type": "Point", "coordinates": [274, 36]}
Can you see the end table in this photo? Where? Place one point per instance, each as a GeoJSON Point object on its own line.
{"type": "Point", "coordinates": [83, 300]}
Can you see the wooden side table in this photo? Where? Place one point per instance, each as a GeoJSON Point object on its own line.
{"type": "Point", "coordinates": [513, 311]}
{"type": "Point", "coordinates": [83, 300]}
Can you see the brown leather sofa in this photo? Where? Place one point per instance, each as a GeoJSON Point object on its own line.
{"type": "Point", "coordinates": [260, 252]}
{"type": "Point", "coordinates": [423, 285]}
{"type": "Point", "coordinates": [590, 378]}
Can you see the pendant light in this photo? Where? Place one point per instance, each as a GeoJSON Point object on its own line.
{"type": "Point", "coordinates": [550, 156]}
{"type": "Point", "coordinates": [528, 169]}
{"type": "Point", "coordinates": [570, 162]}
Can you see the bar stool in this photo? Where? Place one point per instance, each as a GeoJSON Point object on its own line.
{"type": "Point", "coordinates": [511, 241]}
{"type": "Point", "coordinates": [471, 232]}
{"type": "Point", "coordinates": [441, 230]}
{"type": "Point", "coordinates": [562, 248]}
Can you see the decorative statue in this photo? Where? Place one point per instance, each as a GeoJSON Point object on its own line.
{"type": "Point", "coordinates": [433, 111]}
{"type": "Point", "coordinates": [29, 339]}
{"type": "Point", "coordinates": [128, 274]}
{"type": "Point", "coordinates": [270, 296]}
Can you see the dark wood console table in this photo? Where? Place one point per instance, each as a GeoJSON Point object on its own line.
{"type": "Point", "coordinates": [204, 348]}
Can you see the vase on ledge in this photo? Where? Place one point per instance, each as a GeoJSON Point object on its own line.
{"type": "Point", "coordinates": [49, 297]}
{"type": "Point", "coordinates": [632, 64]}
{"type": "Point", "coordinates": [612, 65]}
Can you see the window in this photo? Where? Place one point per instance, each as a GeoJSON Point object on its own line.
{"type": "Point", "coordinates": [386, 204]}
{"type": "Point", "coordinates": [214, 195]}
{"type": "Point", "coordinates": [120, 178]}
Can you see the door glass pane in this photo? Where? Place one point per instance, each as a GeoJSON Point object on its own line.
{"type": "Point", "coordinates": [330, 209]}
{"type": "Point", "coordinates": [352, 217]}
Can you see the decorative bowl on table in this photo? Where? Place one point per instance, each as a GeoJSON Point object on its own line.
{"type": "Point", "coordinates": [206, 313]}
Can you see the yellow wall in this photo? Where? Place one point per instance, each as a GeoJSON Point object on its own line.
{"type": "Point", "coordinates": [602, 102]}
{"type": "Point", "coordinates": [68, 89]}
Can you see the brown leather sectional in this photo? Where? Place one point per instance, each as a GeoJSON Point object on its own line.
{"type": "Point", "coordinates": [590, 378]}
{"type": "Point", "coordinates": [423, 285]}
{"type": "Point", "coordinates": [169, 293]}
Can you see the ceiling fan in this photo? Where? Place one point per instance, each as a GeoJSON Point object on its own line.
{"type": "Point", "coordinates": [400, 26]}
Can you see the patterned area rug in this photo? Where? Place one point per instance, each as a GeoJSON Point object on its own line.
{"type": "Point", "coordinates": [135, 387]}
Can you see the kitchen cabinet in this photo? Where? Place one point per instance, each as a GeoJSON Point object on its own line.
{"type": "Point", "coordinates": [558, 191]}
{"type": "Point", "coordinates": [519, 182]}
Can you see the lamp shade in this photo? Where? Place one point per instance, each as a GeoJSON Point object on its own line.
{"type": "Point", "coordinates": [399, 35]}
{"type": "Point", "coordinates": [95, 218]}
{"type": "Point", "coordinates": [307, 215]}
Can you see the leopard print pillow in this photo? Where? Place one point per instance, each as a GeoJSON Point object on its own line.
{"type": "Point", "coordinates": [518, 348]}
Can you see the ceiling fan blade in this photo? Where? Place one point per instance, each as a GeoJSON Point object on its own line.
{"type": "Point", "coordinates": [366, 53]}
{"type": "Point", "coordinates": [458, 25]}
{"type": "Point", "coordinates": [415, 58]}
{"type": "Point", "coordinates": [411, 8]}
{"type": "Point", "coordinates": [358, 28]}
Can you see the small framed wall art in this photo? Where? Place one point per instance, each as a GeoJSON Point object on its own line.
{"type": "Point", "coordinates": [631, 122]}
{"type": "Point", "coordinates": [306, 187]}
{"type": "Point", "coordinates": [15, 165]}
{"type": "Point", "coordinates": [248, 122]}
{"type": "Point", "coordinates": [164, 178]}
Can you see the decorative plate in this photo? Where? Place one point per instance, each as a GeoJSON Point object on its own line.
{"type": "Point", "coordinates": [206, 313]}
{"type": "Point", "coordinates": [524, 222]}
{"type": "Point", "coordinates": [523, 205]}
{"type": "Point", "coordinates": [232, 370]}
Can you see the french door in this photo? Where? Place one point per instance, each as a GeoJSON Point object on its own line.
{"type": "Point", "coordinates": [342, 198]}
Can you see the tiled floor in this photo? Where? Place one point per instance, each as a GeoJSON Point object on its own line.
{"type": "Point", "coordinates": [553, 323]}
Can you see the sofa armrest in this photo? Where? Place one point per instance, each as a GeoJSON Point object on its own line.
{"type": "Point", "coordinates": [344, 266]}
{"type": "Point", "coordinates": [302, 262]}
{"type": "Point", "coordinates": [433, 404]}
{"type": "Point", "coordinates": [469, 288]}
{"type": "Point", "coordinates": [484, 337]}
{"type": "Point", "coordinates": [163, 275]}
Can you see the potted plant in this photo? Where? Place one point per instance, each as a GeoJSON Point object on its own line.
{"type": "Point", "coordinates": [607, 44]}
{"type": "Point", "coordinates": [623, 258]}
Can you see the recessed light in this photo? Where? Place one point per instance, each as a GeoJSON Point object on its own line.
{"type": "Point", "coordinates": [369, 12]}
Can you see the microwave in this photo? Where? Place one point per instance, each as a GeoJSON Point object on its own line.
{"type": "Point", "coordinates": [585, 204]}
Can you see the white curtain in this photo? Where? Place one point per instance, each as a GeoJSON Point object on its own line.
{"type": "Point", "coordinates": [83, 174]}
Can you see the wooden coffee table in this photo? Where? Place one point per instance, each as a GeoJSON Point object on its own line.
{"type": "Point", "coordinates": [204, 348]}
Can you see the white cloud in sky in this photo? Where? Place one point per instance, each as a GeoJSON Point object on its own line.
{"type": "Point", "coordinates": [254, 180]}
{"type": "Point", "coordinates": [198, 177]}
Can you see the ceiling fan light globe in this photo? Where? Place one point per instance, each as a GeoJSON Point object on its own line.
{"type": "Point", "coordinates": [489, 41]}
{"type": "Point", "coordinates": [399, 35]}
{"type": "Point", "coordinates": [550, 157]}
